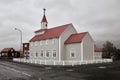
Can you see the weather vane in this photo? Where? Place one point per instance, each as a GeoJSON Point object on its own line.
{"type": "Point", "coordinates": [44, 10]}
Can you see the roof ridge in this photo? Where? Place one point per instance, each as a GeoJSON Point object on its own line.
{"type": "Point", "coordinates": [83, 32]}
{"type": "Point", "coordinates": [54, 27]}
{"type": "Point", "coordinates": [60, 26]}
{"type": "Point", "coordinates": [7, 48]}
{"type": "Point", "coordinates": [79, 33]}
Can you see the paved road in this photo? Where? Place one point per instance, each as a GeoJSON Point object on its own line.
{"type": "Point", "coordinates": [17, 71]}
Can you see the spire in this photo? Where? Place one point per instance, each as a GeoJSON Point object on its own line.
{"type": "Point", "coordinates": [44, 21]}
{"type": "Point", "coordinates": [44, 10]}
{"type": "Point", "coordinates": [44, 17]}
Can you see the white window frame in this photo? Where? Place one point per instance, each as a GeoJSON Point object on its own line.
{"type": "Point", "coordinates": [42, 52]}
{"type": "Point", "coordinates": [47, 53]}
{"type": "Point", "coordinates": [71, 52]}
{"type": "Point", "coordinates": [36, 54]}
{"type": "Point", "coordinates": [53, 53]}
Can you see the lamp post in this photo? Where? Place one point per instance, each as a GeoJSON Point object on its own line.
{"type": "Point", "coordinates": [20, 39]}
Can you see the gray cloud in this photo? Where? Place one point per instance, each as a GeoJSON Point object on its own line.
{"type": "Point", "coordinates": [99, 17]}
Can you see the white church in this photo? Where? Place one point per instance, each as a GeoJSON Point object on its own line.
{"type": "Point", "coordinates": [61, 45]}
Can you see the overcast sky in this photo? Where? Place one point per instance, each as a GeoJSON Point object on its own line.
{"type": "Point", "coordinates": [101, 18]}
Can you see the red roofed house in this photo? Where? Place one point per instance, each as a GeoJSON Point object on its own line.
{"type": "Point", "coordinates": [9, 53]}
{"type": "Point", "coordinates": [61, 43]}
{"type": "Point", "coordinates": [97, 53]}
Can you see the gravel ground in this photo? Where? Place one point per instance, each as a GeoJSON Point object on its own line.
{"type": "Point", "coordinates": [21, 71]}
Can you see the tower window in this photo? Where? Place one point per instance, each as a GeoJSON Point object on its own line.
{"type": "Point", "coordinates": [46, 25]}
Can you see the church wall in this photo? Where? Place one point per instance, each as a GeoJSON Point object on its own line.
{"type": "Point", "coordinates": [70, 30]}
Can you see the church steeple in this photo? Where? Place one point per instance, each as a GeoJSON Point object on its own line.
{"type": "Point", "coordinates": [44, 21]}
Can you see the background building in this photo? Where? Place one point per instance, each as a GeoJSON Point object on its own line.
{"type": "Point", "coordinates": [9, 53]}
{"type": "Point", "coordinates": [26, 50]}
{"type": "Point", "coordinates": [97, 53]}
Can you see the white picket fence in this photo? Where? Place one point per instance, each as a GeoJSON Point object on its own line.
{"type": "Point", "coordinates": [65, 62]}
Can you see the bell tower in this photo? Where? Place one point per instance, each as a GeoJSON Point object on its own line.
{"type": "Point", "coordinates": [44, 22]}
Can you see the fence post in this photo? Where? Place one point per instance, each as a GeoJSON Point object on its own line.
{"type": "Point", "coordinates": [45, 62]}
{"type": "Point", "coordinates": [63, 63]}
{"type": "Point", "coordinates": [35, 61]}
{"type": "Point", "coordinates": [40, 62]}
{"type": "Point", "coordinates": [72, 63]}
{"type": "Point", "coordinates": [80, 62]}
{"type": "Point", "coordinates": [54, 63]}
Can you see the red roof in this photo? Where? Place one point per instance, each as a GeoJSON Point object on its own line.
{"type": "Point", "coordinates": [40, 30]}
{"type": "Point", "coordinates": [6, 49]}
{"type": "Point", "coordinates": [44, 19]}
{"type": "Point", "coordinates": [75, 38]}
{"type": "Point", "coordinates": [96, 49]}
{"type": "Point", "coordinates": [50, 33]}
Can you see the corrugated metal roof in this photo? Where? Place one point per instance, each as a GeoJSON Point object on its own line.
{"type": "Point", "coordinates": [50, 33]}
{"type": "Point", "coordinates": [75, 38]}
